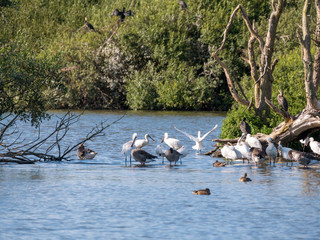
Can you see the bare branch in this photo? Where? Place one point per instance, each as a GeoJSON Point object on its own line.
{"type": "Point", "coordinates": [230, 83]}
{"type": "Point", "coordinates": [97, 131]}
{"type": "Point", "coordinates": [247, 22]}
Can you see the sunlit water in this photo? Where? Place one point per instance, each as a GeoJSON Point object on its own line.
{"type": "Point", "coordinates": [103, 199]}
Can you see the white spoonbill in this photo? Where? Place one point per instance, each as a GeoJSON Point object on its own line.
{"type": "Point", "coordinates": [229, 152]}
{"type": "Point", "coordinates": [284, 151]}
{"type": "Point", "coordinates": [253, 141]}
{"type": "Point", "coordinates": [140, 143]}
{"type": "Point", "coordinates": [126, 148]}
{"type": "Point", "coordinates": [304, 142]}
{"type": "Point", "coordinates": [271, 151]}
{"type": "Point", "coordinates": [171, 142]}
{"type": "Point", "coordinates": [315, 146]}
{"type": "Point", "coordinates": [198, 140]}
{"type": "Point", "coordinates": [85, 153]}
{"type": "Point", "coordinates": [244, 149]}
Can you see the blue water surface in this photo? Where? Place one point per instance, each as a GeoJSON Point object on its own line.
{"type": "Point", "coordinates": [104, 199]}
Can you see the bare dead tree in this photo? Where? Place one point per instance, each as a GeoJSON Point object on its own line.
{"type": "Point", "coordinates": [15, 149]}
{"type": "Point", "coordinates": [261, 73]}
{"type": "Point", "coordinates": [293, 127]}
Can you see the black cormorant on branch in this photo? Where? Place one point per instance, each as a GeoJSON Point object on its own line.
{"type": "Point", "coordinates": [122, 14]}
{"type": "Point", "coordinates": [282, 101]}
{"type": "Point", "coordinates": [245, 128]}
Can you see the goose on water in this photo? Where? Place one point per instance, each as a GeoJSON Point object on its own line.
{"type": "Point", "coordinates": [198, 140]}
{"type": "Point", "coordinates": [302, 158]}
{"type": "Point", "coordinates": [140, 155]}
{"type": "Point", "coordinates": [172, 156]}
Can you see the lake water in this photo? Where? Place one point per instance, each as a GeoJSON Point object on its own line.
{"type": "Point", "coordinates": [104, 199]}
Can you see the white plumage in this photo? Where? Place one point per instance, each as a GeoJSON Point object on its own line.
{"type": "Point", "coordinates": [140, 143]}
{"type": "Point", "coordinates": [244, 149]}
{"type": "Point", "coordinates": [198, 140]}
{"type": "Point", "coordinates": [315, 146]}
{"type": "Point", "coordinates": [284, 152]}
{"type": "Point", "coordinates": [271, 150]}
{"type": "Point", "coordinates": [126, 148]}
{"type": "Point", "coordinates": [229, 152]}
{"type": "Point", "coordinates": [253, 141]}
{"type": "Point", "coordinates": [172, 142]}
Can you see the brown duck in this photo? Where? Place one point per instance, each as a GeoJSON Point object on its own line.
{"type": "Point", "coordinates": [219, 164]}
{"type": "Point", "coordinates": [202, 192]}
{"type": "Point", "coordinates": [244, 178]}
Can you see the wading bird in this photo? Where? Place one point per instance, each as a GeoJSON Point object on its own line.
{"type": "Point", "coordinates": [271, 151]}
{"type": "Point", "coordinates": [140, 143]}
{"type": "Point", "coordinates": [126, 148]}
{"type": "Point", "coordinates": [171, 142]}
{"type": "Point", "coordinates": [314, 145]}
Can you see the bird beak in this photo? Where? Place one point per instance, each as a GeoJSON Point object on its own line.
{"type": "Point", "coordinates": [162, 140]}
{"type": "Point", "coordinates": [133, 141]}
{"type": "Point", "coordinates": [151, 138]}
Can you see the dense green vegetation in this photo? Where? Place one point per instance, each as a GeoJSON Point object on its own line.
{"type": "Point", "coordinates": [157, 59]}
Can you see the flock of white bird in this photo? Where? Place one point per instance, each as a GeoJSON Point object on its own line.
{"type": "Point", "coordinates": [250, 149]}
{"type": "Point", "coordinates": [173, 153]}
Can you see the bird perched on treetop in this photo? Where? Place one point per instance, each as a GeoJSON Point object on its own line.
{"type": "Point", "coordinates": [282, 101]}
{"type": "Point", "coordinates": [122, 14]}
{"type": "Point", "coordinates": [88, 25]}
{"type": "Point", "coordinates": [183, 5]}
